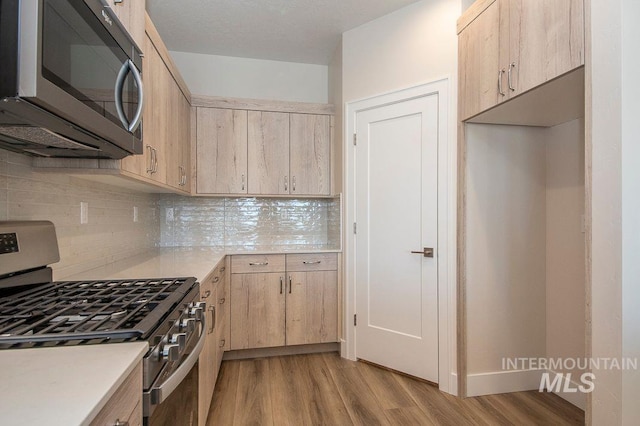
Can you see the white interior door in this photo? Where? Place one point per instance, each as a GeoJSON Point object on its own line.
{"type": "Point", "coordinates": [396, 213]}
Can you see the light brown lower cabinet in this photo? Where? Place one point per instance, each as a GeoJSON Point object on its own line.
{"type": "Point", "coordinates": [125, 406]}
{"type": "Point", "coordinates": [286, 307]}
{"type": "Point", "coordinates": [312, 307]}
{"type": "Point", "coordinates": [211, 289]}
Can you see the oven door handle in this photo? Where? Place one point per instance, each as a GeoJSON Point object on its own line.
{"type": "Point", "coordinates": [160, 393]}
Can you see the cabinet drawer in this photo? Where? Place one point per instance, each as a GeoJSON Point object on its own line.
{"type": "Point", "coordinates": [250, 263]}
{"type": "Point", "coordinates": [312, 262]}
{"type": "Point", "coordinates": [125, 405]}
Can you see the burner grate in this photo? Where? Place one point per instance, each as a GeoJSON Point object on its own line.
{"type": "Point", "coordinates": [76, 312]}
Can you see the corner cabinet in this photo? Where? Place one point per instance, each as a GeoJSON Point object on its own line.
{"type": "Point", "coordinates": [508, 47]}
{"type": "Point", "coordinates": [283, 300]}
{"type": "Point", "coordinates": [261, 151]}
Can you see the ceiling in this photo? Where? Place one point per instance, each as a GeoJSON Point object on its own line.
{"type": "Point", "coordinates": [306, 31]}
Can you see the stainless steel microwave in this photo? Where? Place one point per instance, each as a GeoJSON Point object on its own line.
{"type": "Point", "coordinates": [70, 80]}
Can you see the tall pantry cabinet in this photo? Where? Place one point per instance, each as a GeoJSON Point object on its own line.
{"type": "Point", "coordinates": [521, 188]}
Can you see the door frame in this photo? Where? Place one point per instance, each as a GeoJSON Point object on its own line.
{"type": "Point", "coordinates": [447, 214]}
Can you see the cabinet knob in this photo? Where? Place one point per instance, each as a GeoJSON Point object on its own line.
{"type": "Point", "coordinates": [118, 422]}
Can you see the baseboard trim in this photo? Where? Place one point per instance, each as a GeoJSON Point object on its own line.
{"type": "Point", "coordinates": [579, 399]}
{"type": "Point", "coordinates": [281, 350]}
{"type": "Point", "coordinates": [503, 382]}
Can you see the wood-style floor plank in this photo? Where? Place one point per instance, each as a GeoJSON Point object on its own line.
{"type": "Point", "coordinates": [325, 406]}
{"type": "Point", "coordinates": [253, 400]}
{"type": "Point", "coordinates": [223, 404]}
{"type": "Point", "coordinates": [361, 404]}
{"type": "Point", "coordinates": [324, 389]}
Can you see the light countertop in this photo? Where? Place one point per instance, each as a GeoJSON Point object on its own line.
{"type": "Point", "coordinates": [62, 385]}
{"type": "Point", "coordinates": [179, 262]}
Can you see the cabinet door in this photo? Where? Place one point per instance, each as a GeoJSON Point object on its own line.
{"type": "Point", "coordinates": [131, 14]}
{"type": "Point", "coordinates": [268, 142]}
{"type": "Point", "coordinates": [480, 63]}
{"type": "Point", "coordinates": [155, 118]}
{"type": "Point", "coordinates": [312, 307]}
{"type": "Point", "coordinates": [207, 372]}
{"type": "Point", "coordinates": [174, 141]}
{"type": "Point", "coordinates": [310, 154]}
{"type": "Point", "coordinates": [224, 302]}
{"type": "Point", "coordinates": [546, 40]}
{"type": "Point", "coordinates": [257, 310]}
{"type": "Point", "coordinates": [222, 151]}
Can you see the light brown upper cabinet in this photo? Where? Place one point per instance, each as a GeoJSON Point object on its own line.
{"type": "Point", "coordinates": [268, 142]}
{"type": "Point", "coordinates": [222, 151]}
{"type": "Point", "coordinates": [166, 126]}
{"type": "Point", "coordinates": [508, 47]}
{"type": "Point", "coordinates": [260, 152]}
{"type": "Point", "coordinates": [131, 15]}
{"type": "Point", "coordinates": [310, 155]}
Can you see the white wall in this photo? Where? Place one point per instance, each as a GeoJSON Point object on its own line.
{"type": "Point", "coordinates": [604, 67]}
{"type": "Point", "coordinates": [630, 208]}
{"type": "Point", "coordinates": [253, 78]}
{"type": "Point", "coordinates": [506, 220]}
{"type": "Point", "coordinates": [565, 247]}
{"type": "Point", "coordinates": [416, 44]}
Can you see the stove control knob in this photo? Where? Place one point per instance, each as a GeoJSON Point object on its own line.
{"type": "Point", "coordinates": [171, 352]}
{"type": "Point", "coordinates": [178, 338]}
{"type": "Point", "coordinates": [196, 313]}
{"type": "Point", "coordinates": [188, 324]}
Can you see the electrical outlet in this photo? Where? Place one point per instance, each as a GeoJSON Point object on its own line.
{"type": "Point", "coordinates": [169, 215]}
{"type": "Point", "coordinates": [84, 213]}
{"type": "Point", "coordinates": [135, 213]}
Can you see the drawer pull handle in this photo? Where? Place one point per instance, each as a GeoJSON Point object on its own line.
{"type": "Point", "coordinates": [310, 262]}
{"type": "Point", "coordinates": [119, 423]}
{"type": "Point", "coordinates": [222, 269]}
{"type": "Point", "coordinates": [221, 301]}
{"type": "Point", "coordinates": [206, 294]}
{"type": "Point", "coordinates": [216, 279]}
{"type": "Point", "coordinates": [290, 284]}
{"type": "Point", "coordinates": [258, 263]}
{"type": "Point", "coordinates": [222, 343]}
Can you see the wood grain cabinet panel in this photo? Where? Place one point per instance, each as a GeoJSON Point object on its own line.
{"type": "Point", "coordinates": [131, 14]}
{"type": "Point", "coordinates": [268, 155]}
{"type": "Point", "coordinates": [479, 63]}
{"type": "Point", "coordinates": [207, 371]}
{"type": "Point", "coordinates": [257, 310]}
{"type": "Point", "coordinates": [312, 307]}
{"type": "Point", "coordinates": [310, 154]}
{"type": "Point", "coordinates": [278, 308]}
{"type": "Point", "coordinates": [546, 39]}
{"type": "Point", "coordinates": [508, 47]}
{"type": "Point", "coordinates": [125, 405]}
{"type": "Point", "coordinates": [222, 151]}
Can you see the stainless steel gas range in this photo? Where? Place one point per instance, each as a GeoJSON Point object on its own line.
{"type": "Point", "coordinates": [37, 312]}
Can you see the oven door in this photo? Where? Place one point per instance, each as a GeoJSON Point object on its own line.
{"type": "Point", "coordinates": [78, 62]}
{"type": "Point", "coordinates": [172, 400]}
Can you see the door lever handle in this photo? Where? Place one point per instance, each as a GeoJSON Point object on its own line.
{"type": "Point", "coordinates": [426, 252]}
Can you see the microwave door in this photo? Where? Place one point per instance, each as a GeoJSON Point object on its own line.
{"type": "Point", "coordinates": [79, 60]}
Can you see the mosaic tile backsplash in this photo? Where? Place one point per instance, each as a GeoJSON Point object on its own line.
{"type": "Point", "coordinates": [249, 222]}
